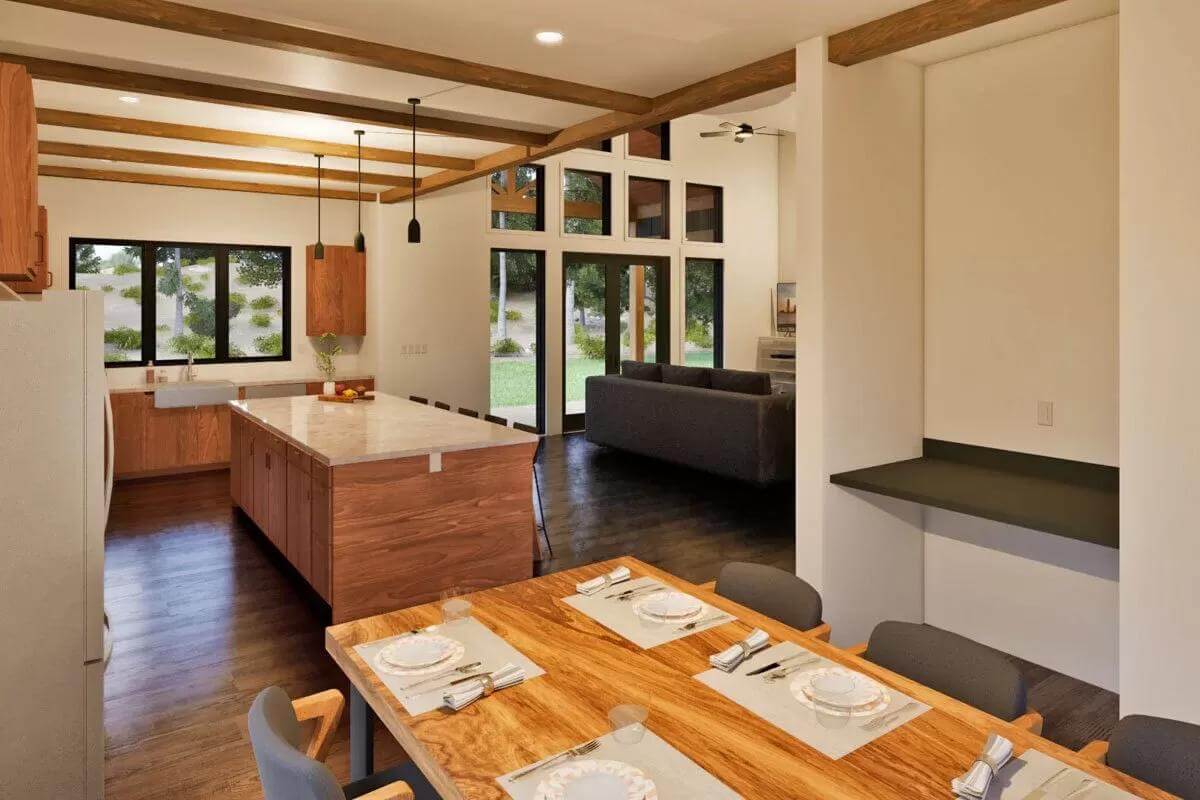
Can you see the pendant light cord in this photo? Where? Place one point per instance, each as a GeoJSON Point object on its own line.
{"type": "Point", "coordinates": [319, 198]}
{"type": "Point", "coordinates": [360, 135]}
{"type": "Point", "coordinates": [414, 102]}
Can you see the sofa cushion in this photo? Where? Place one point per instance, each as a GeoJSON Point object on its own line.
{"type": "Point", "coordinates": [640, 371]}
{"type": "Point", "coordinates": [738, 380]}
{"type": "Point", "coordinates": [686, 376]}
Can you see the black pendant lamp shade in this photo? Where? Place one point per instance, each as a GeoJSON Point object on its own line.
{"type": "Point", "coordinates": [319, 247]}
{"type": "Point", "coordinates": [414, 227]}
{"type": "Point", "coordinates": [360, 241]}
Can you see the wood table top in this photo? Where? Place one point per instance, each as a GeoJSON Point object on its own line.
{"type": "Point", "coordinates": [590, 669]}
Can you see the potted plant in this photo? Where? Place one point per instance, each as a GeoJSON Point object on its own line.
{"type": "Point", "coordinates": [326, 350]}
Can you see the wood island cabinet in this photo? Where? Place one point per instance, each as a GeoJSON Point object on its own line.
{"type": "Point", "coordinates": [18, 175]}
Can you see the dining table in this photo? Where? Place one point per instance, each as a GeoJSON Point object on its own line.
{"type": "Point", "coordinates": [589, 669]}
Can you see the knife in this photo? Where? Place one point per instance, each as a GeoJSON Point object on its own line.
{"type": "Point", "coordinates": [455, 682]}
{"type": "Point", "coordinates": [776, 664]}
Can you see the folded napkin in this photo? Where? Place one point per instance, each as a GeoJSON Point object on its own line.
{"type": "Point", "coordinates": [974, 784]}
{"type": "Point", "coordinates": [618, 575]}
{"type": "Point", "coordinates": [728, 659]}
{"type": "Point", "coordinates": [458, 698]}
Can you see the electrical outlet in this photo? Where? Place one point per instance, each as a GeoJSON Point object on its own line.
{"type": "Point", "coordinates": [424, 349]}
{"type": "Point", "coordinates": [1045, 413]}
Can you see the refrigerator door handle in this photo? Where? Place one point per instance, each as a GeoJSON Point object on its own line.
{"type": "Point", "coordinates": [110, 447]}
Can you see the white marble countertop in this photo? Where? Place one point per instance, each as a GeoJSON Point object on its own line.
{"type": "Point", "coordinates": [374, 430]}
{"type": "Point", "coordinates": [153, 387]}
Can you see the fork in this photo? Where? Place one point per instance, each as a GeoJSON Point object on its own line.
{"type": "Point", "coordinates": [888, 718]}
{"type": "Point", "coordinates": [691, 626]}
{"type": "Point", "coordinates": [574, 752]}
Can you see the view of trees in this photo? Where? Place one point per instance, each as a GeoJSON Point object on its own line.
{"type": "Point", "coordinates": [584, 187]}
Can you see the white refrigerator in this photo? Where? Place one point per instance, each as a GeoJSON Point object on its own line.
{"type": "Point", "coordinates": [55, 487]}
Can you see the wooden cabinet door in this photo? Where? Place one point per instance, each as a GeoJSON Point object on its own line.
{"type": "Point", "coordinates": [207, 442]}
{"type": "Point", "coordinates": [42, 277]}
{"type": "Point", "coordinates": [336, 292]}
{"type": "Point", "coordinates": [129, 431]}
{"type": "Point", "coordinates": [262, 475]}
{"type": "Point", "coordinates": [277, 493]}
{"type": "Point", "coordinates": [299, 512]}
{"type": "Point", "coordinates": [235, 458]}
{"type": "Point", "coordinates": [18, 175]}
{"type": "Point", "coordinates": [322, 530]}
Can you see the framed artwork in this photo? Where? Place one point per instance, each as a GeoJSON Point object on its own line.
{"type": "Point", "coordinates": [785, 308]}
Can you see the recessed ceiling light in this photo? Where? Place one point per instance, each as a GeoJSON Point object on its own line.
{"type": "Point", "coordinates": [128, 98]}
{"type": "Point", "coordinates": [549, 37]}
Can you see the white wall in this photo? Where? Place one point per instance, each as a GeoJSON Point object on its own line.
{"type": "Point", "coordinates": [1021, 245]}
{"type": "Point", "coordinates": [1021, 306]}
{"type": "Point", "coordinates": [436, 293]}
{"type": "Point", "coordinates": [100, 209]}
{"type": "Point", "coordinates": [860, 332]}
{"type": "Point", "coordinates": [1160, 328]}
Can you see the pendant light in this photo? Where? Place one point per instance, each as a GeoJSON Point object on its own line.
{"type": "Point", "coordinates": [360, 241]}
{"type": "Point", "coordinates": [414, 227]}
{"type": "Point", "coordinates": [319, 247]}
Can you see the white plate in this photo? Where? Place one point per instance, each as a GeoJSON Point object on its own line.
{"type": "Point", "coordinates": [671, 605]}
{"type": "Point", "coordinates": [596, 780]}
{"type": "Point", "coordinates": [861, 698]}
{"type": "Point", "coordinates": [418, 651]}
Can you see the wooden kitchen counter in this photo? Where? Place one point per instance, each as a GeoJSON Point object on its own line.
{"type": "Point", "coordinates": [387, 503]}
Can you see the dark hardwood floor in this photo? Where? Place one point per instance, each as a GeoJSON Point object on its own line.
{"type": "Point", "coordinates": [205, 615]}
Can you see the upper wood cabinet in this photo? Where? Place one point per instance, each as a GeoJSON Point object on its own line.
{"type": "Point", "coordinates": [336, 292]}
{"type": "Point", "coordinates": [18, 174]}
{"type": "Point", "coordinates": [43, 278]}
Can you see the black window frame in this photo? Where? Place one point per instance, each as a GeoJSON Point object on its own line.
{"type": "Point", "coordinates": [718, 267]}
{"type": "Point", "coordinates": [539, 200]}
{"type": "Point", "coordinates": [221, 301]}
{"type": "Point", "coordinates": [666, 212]}
{"type": "Point", "coordinates": [718, 227]}
{"type": "Point", "coordinates": [664, 142]}
{"type": "Point", "coordinates": [605, 202]}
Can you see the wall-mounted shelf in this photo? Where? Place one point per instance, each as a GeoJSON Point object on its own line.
{"type": "Point", "coordinates": [1068, 498]}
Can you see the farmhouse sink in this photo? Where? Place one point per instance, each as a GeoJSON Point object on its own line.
{"type": "Point", "coordinates": [188, 394]}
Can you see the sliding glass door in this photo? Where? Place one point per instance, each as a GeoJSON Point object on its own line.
{"type": "Point", "coordinates": [611, 313]}
{"type": "Point", "coordinates": [518, 312]}
{"type": "Point", "coordinates": [704, 312]}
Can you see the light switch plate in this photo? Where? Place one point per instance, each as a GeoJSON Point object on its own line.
{"type": "Point", "coordinates": [1045, 413]}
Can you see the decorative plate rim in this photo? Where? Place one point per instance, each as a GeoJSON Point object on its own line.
{"type": "Point", "coordinates": [457, 651]}
{"type": "Point", "coordinates": [797, 684]}
{"type": "Point", "coordinates": [552, 788]}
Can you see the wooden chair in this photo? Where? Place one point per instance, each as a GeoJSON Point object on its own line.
{"type": "Point", "coordinates": [501, 421]}
{"type": "Point", "coordinates": [467, 412]}
{"type": "Point", "coordinates": [289, 773]}
{"type": "Point", "coordinates": [422, 400]}
{"type": "Point", "coordinates": [441, 405]}
{"type": "Point", "coordinates": [774, 593]}
{"type": "Point", "coordinates": [537, 455]}
{"type": "Point", "coordinates": [1161, 752]}
{"type": "Point", "coordinates": [953, 665]}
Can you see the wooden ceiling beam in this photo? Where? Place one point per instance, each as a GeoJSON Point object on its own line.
{"type": "Point", "coordinates": [927, 22]}
{"type": "Point", "coordinates": [51, 171]}
{"type": "Point", "coordinates": [129, 155]}
{"type": "Point", "coordinates": [264, 33]}
{"type": "Point", "coordinates": [736, 84]}
{"type": "Point", "coordinates": [144, 83]}
{"type": "Point", "coordinates": [195, 133]}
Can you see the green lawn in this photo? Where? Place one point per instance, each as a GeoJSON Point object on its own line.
{"type": "Point", "coordinates": [514, 380]}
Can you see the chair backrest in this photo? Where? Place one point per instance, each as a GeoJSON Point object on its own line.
{"type": "Point", "coordinates": [1161, 752]}
{"type": "Point", "coordinates": [498, 420]}
{"type": "Point", "coordinates": [521, 426]}
{"type": "Point", "coordinates": [466, 412]}
{"type": "Point", "coordinates": [285, 771]}
{"type": "Point", "coordinates": [441, 405]}
{"type": "Point", "coordinates": [417, 399]}
{"type": "Point", "coordinates": [951, 664]}
{"type": "Point", "coordinates": [771, 591]}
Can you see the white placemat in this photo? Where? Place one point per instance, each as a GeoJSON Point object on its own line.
{"type": "Point", "coordinates": [620, 617]}
{"type": "Point", "coordinates": [481, 645]}
{"type": "Point", "coordinates": [1033, 768]}
{"type": "Point", "coordinates": [675, 776]}
{"type": "Point", "coordinates": [773, 701]}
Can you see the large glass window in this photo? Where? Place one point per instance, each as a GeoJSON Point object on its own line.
{"type": "Point", "coordinates": [586, 202]}
{"type": "Point", "coordinates": [517, 354]}
{"type": "Point", "coordinates": [703, 213]}
{"type": "Point", "coordinates": [167, 301]}
{"type": "Point", "coordinates": [703, 305]}
{"type": "Point", "coordinates": [649, 208]}
{"type": "Point", "coordinates": [652, 142]}
{"type": "Point", "coordinates": [517, 200]}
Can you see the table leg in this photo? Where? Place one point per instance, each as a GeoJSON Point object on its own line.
{"type": "Point", "coordinates": [362, 737]}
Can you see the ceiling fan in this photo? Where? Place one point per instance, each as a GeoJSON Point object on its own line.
{"type": "Point", "coordinates": [740, 133]}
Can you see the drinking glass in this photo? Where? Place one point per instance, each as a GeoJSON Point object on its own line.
{"type": "Point", "coordinates": [831, 694]}
{"type": "Point", "coordinates": [628, 722]}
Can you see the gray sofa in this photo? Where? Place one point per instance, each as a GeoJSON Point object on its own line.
{"type": "Point", "coordinates": [718, 420]}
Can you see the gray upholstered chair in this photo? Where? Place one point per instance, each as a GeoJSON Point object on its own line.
{"type": "Point", "coordinates": [1161, 752]}
{"type": "Point", "coordinates": [290, 770]}
{"type": "Point", "coordinates": [953, 665]}
{"type": "Point", "coordinates": [775, 593]}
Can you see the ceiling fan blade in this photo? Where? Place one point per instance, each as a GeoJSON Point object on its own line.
{"type": "Point", "coordinates": [727, 125]}
{"type": "Point", "coordinates": [708, 134]}
{"type": "Point", "coordinates": [768, 134]}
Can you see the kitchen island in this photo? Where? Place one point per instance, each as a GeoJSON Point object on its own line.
{"type": "Point", "coordinates": [385, 503]}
